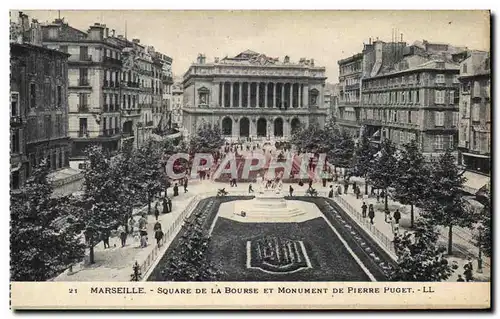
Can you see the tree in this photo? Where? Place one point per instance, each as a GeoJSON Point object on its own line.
{"type": "Point", "coordinates": [362, 159]}
{"type": "Point", "coordinates": [412, 178]}
{"type": "Point", "coordinates": [443, 203]}
{"type": "Point", "coordinates": [190, 260]}
{"type": "Point", "coordinates": [483, 238]}
{"type": "Point", "coordinates": [342, 149]}
{"type": "Point", "coordinates": [208, 139]}
{"type": "Point", "coordinates": [383, 171]}
{"type": "Point", "coordinates": [419, 257]}
{"type": "Point", "coordinates": [149, 171]}
{"type": "Point", "coordinates": [43, 241]}
{"type": "Point", "coordinates": [99, 208]}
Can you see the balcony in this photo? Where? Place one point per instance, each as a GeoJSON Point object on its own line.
{"type": "Point", "coordinates": [128, 134]}
{"type": "Point", "coordinates": [111, 132]}
{"type": "Point", "coordinates": [131, 112]}
{"type": "Point", "coordinates": [82, 83]}
{"type": "Point", "coordinates": [112, 61]}
{"type": "Point", "coordinates": [83, 133]}
{"type": "Point", "coordinates": [130, 84]}
{"type": "Point", "coordinates": [85, 57]}
{"type": "Point", "coordinates": [149, 124]}
{"type": "Point", "coordinates": [166, 79]}
{"type": "Point", "coordinates": [83, 108]}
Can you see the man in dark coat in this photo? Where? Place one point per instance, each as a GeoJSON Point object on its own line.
{"type": "Point", "coordinates": [176, 190]}
{"type": "Point", "coordinates": [157, 211]}
{"type": "Point", "coordinates": [397, 216]}
{"type": "Point", "coordinates": [363, 209]}
{"type": "Point", "coordinates": [290, 189]}
{"type": "Point", "coordinates": [371, 213]}
{"type": "Point", "coordinates": [185, 185]}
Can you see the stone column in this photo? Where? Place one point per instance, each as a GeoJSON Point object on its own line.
{"type": "Point", "coordinates": [291, 95]}
{"type": "Point", "coordinates": [282, 93]}
{"type": "Point", "coordinates": [231, 94]}
{"type": "Point", "coordinates": [274, 94]}
{"type": "Point", "coordinates": [300, 96]}
{"type": "Point", "coordinates": [249, 86]}
{"type": "Point", "coordinates": [240, 93]}
{"type": "Point", "coordinates": [306, 96]}
{"type": "Point", "coordinates": [265, 94]}
{"type": "Point", "coordinates": [257, 95]}
{"type": "Point", "coordinates": [222, 95]}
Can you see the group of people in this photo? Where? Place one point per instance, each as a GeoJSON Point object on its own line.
{"type": "Point", "coordinates": [468, 268]}
{"type": "Point", "coordinates": [394, 220]}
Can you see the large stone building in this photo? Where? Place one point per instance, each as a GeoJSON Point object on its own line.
{"type": "Point", "coordinates": [350, 74]}
{"type": "Point", "coordinates": [177, 100]}
{"type": "Point", "coordinates": [94, 69]}
{"type": "Point", "coordinates": [252, 95]}
{"type": "Point", "coordinates": [38, 105]}
{"type": "Point", "coordinates": [474, 138]}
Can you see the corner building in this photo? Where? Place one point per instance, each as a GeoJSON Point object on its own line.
{"type": "Point", "coordinates": [252, 95]}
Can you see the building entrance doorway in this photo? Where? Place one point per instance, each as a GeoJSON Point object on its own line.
{"type": "Point", "coordinates": [262, 127]}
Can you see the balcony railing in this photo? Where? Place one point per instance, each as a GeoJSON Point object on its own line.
{"type": "Point", "coordinates": [86, 57]}
{"type": "Point", "coordinates": [111, 132]}
{"type": "Point", "coordinates": [111, 60]}
{"type": "Point", "coordinates": [83, 82]}
{"type": "Point", "coordinates": [83, 108]}
{"type": "Point", "coordinates": [83, 133]}
{"type": "Point", "coordinates": [128, 134]}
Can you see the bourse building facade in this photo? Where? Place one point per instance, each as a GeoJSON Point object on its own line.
{"type": "Point", "coordinates": [252, 95]}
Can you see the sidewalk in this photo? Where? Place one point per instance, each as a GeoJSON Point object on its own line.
{"type": "Point", "coordinates": [115, 263]}
{"type": "Point", "coordinates": [463, 244]}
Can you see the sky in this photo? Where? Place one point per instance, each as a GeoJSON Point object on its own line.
{"type": "Point", "coordinates": [325, 36]}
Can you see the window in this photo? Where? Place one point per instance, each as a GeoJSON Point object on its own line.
{"type": "Point", "coordinates": [32, 95]}
{"type": "Point", "coordinates": [440, 78]}
{"type": "Point", "coordinates": [455, 78]}
{"type": "Point", "coordinates": [14, 104]}
{"type": "Point", "coordinates": [466, 110]}
{"type": "Point", "coordinates": [83, 127]}
{"type": "Point", "coordinates": [409, 117]}
{"type": "Point", "coordinates": [488, 113]}
{"type": "Point", "coordinates": [84, 53]}
{"type": "Point", "coordinates": [52, 33]}
{"type": "Point", "coordinates": [84, 76]}
{"type": "Point", "coordinates": [451, 142]}
{"type": "Point", "coordinates": [455, 119]}
{"type": "Point", "coordinates": [47, 120]}
{"type": "Point", "coordinates": [464, 68]}
{"type": "Point", "coordinates": [14, 178]}
{"type": "Point", "coordinates": [59, 131]}
{"type": "Point", "coordinates": [59, 96]}
{"type": "Point", "coordinates": [15, 139]}
{"type": "Point", "coordinates": [417, 96]}
{"type": "Point", "coordinates": [438, 142]}
{"type": "Point", "coordinates": [466, 87]}
{"type": "Point", "coordinates": [439, 118]}
{"type": "Point", "coordinates": [439, 97]}
{"type": "Point", "coordinates": [475, 112]}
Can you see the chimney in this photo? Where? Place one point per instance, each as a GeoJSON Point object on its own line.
{"type": "Point", "coordinates": [136, 41]}
{"type": "Point", "coordinates": [370, 40]}
{"type": "Point", "coordinates": [113, 32]}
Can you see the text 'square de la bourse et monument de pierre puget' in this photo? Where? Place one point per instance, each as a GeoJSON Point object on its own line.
{"type": "Point", "coordinates": [252, 95]}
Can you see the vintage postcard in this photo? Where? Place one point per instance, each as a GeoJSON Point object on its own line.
{"type": "Point", "coordinates": [250, 159]}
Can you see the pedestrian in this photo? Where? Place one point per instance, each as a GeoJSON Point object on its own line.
{"type": "Point", "coordinates": [176, 190]}
{"type": "Point", "coordinates": [234, 182]}
{"type": "Point", "coordinates": [105, 237]}
{"type": "Point", "coordinates": [460, 279]}
{"type": "Point", "coordinates": [250, 189]}
{"type": "Point", "coordinates": [330, 193]}
{"type": "Point", "coordinates": [165, 206]}
{"type": "Point", "coordinates": [371, 213]}
{"type": "Point", "coordinates": [387, 215]}
{"type": "Point", "coordinates": [290, 189]}
{"type": "Point", "coordinates": [131, 224]}
{"type": "Point", "coordinates": [310, 183]}
{"type": "Point", "coordinates": [157, 211]}
{"type": "Point", "coordinates": [357, 192]}
{"type": "Point", "coordinates": [144, 238]}
{"type": "Point", "coordinates": [143, 222]}
{"type": "Point", "coordinates": [382, 194]}
{"type": "Point", "coordinates": [378, 196]}
{"type": "Point", "coordinates": [185, 184]}
{"type": "Point", "coordinates": [158, 233]}
{"type": "Point", "coordinates": [169, 203]}
{"type": "Point", "coordinates": [346, 186]}
{"type": "Point", "coordinates": [354, 188]}
{"type": "Point", "coordinates": [394, 225]}
{"type": "Point", "coordinates": [397, 216]}
{"type": "Point", "coordinates": [468, 272]}
{"type": "Point", "coordinates": [363, 209]}
{"type": "Point", "coordinates": [339, 190]}
{"type": "Point", "coordinates": [123, 234]}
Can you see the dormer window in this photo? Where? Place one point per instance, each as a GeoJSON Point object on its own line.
{"type": "Point", "coordinates": [203, 96]}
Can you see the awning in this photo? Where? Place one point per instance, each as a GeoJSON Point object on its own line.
{"type": "Point", "coordinates": [474, 182]}
{"type": "Point", "coordinates": [475, 155]}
